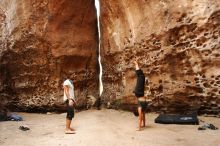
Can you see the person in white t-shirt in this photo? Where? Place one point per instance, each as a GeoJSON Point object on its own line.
{"type": "Point", "coordinates": [69, 99]}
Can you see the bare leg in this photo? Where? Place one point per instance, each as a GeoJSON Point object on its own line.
{"type": "Point", "coordinates": [68, 123]}
{"type": "Point", "coordinates": [68, 129]}
{"type": "Point", "coordinates": [143, 119]}
{"type": "Point", "coordinates": [140, 118]}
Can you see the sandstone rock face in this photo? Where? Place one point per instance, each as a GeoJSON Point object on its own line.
{"type": "Point", "coordinates": [178, 45]}
{"type": "Point", "coordinates": [43, 42]}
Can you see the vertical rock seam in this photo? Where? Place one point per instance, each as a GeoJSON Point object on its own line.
{"type": "Point", "coordinates": [97, 5]}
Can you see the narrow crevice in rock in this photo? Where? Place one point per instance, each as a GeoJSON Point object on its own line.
{"type": "Point", "coordinates": [43, 42]}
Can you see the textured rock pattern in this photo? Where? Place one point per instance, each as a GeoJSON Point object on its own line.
{"type": "Point", "coordinates": [42, 42]}
{"type": "Point", "coordinates": [178, 43]}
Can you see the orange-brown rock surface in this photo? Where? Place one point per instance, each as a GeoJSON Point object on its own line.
{"type": "Point", "coordinates": [43, 42]}
{"type": "Point", "coordinates": [178, 43]}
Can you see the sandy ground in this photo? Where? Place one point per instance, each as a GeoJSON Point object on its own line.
{"type": "Point", "coordinates": [104, 128]}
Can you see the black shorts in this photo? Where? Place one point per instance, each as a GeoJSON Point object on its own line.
{"type": "Point", "coordinates": [139, 95]}
{"type": "Point", "coordinates": [143, 105]}
{"type": "Point", "coordinates": [70, 110]}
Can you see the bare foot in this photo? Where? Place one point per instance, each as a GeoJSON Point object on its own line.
{"type": "Point", "coordinates": [138, 129]}
{"type": "Point", "coordinates": [72, 129]}
{"type": "Point", "coordinates": [69, 131]}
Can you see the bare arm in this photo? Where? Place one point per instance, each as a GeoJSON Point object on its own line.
{"type": "Point", "coordinates": [66, 91]}
{"type": "Point", "coordinates": [136, 65]}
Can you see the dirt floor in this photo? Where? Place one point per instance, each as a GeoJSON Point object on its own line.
{"type": "Point", "coordinates": [104, 128]}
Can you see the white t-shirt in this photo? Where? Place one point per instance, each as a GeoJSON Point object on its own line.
{"type": "Point", "coordinates": [71, 90]}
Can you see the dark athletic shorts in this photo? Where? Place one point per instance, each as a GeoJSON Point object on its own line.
{"type": "Point", "coordinates": [143, 105]}
{"type": "Point", "coordinates": [139, 95]}
{"type": "Point", "coordinates": [70, 110]}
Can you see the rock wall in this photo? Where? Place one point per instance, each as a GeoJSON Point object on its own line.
{"type": "Point", "coordinates": [43, 42]}
{"type": "Point", "coordinates": [178, 45]}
